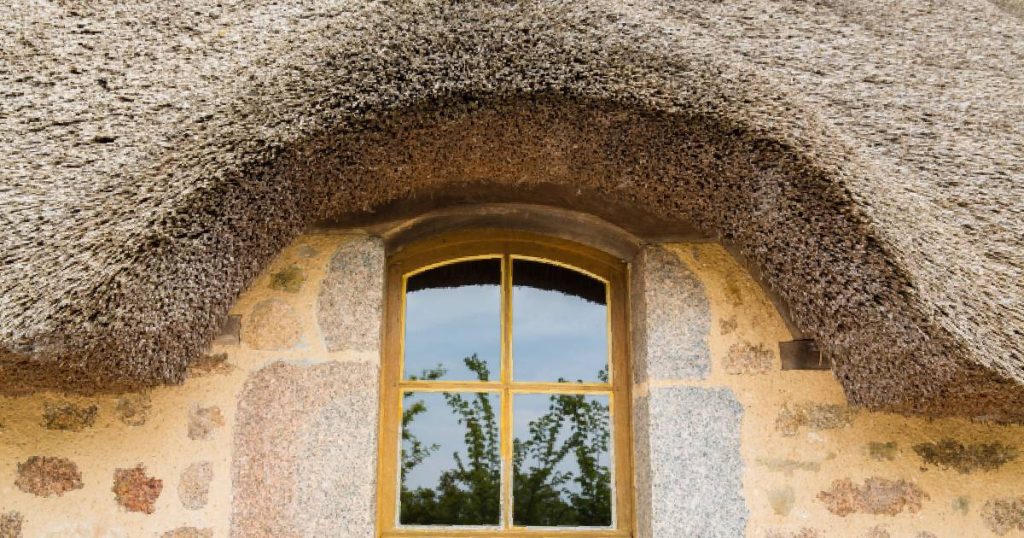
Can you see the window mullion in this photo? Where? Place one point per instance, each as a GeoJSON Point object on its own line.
{"type": "Point", "coordinates": [506, 320]}
{"type": "Point", "coordinates": [506, 397]}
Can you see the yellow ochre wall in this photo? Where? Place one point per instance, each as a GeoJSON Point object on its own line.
{"type": "Point", "coordinates": [811, 465]}
{"type": "Point", "coordinates": [799, 437]}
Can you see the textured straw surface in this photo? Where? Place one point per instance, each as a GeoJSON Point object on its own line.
{"type": "Point", "coordinates": [867, 156]}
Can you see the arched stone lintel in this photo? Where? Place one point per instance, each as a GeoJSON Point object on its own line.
{"type": "Point", "coordinates": [619, 230]}
{"type": "Point", "coordinates": [579, 227]}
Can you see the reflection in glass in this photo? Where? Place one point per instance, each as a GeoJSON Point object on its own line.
{"type": "Point", "coordinates": [559, 324]}
{"type": "Point", "coordinates": [453, 312]}
{"type": "Point", "coordinates": [451, 463]}
{"type": "Point", "coordinates": [561, 463]}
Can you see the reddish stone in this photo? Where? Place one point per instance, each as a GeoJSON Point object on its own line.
{"type": "Point", "coordinates": [135, 491]}
{"type": "Point", "coordinates": [44, 476]}
{"type": "Point", "coordinates": [877, 496]}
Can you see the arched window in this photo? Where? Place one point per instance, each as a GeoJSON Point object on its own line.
{"type": "Point", "coordinates": [505, 397]}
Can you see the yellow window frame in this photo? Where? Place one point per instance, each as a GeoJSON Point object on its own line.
{"type": "Point", "coordinates": [506, 245]}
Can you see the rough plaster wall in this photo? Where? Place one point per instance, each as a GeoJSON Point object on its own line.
{"type": "Point", "coordinates": [683, 489]}
{"type": "Point", "coordinates": [808, 458]}
{"type": "Point", "coordinates": [175, 431]}
{"type": "Point", "coordinates": [793, 456]}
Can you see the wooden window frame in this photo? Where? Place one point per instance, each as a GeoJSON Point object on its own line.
{"type": "Point", "coordinates": [506, 245]}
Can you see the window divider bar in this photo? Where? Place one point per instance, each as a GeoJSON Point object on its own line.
{"type": "Point", "coordinates": [515, 388]}
{"type": "Point", "coordinates": [506, 397]}
{"type": "Point", "coordinates": [451, 386]}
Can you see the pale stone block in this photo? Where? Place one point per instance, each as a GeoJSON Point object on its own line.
{"type": "Point", "coordinates": [671, 318]}
{"type": "Point", "coordinates": [194, 486]}
{"type": "Point", "coordinates": [688, 465]}
{"type": "Point", "coordinates": [351, 302]}
{"type": "Point", "coordinates": [305, 451]}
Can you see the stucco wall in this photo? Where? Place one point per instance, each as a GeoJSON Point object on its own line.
{"type": "Point", "coordinates": [287, 418]}
{"type": "Point", "coordinates": [273, 390]}
{"type": "Point", "coordinates": [814, 467]}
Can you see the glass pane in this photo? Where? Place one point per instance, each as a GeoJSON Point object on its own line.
{"type": "Point", "coordinates": [559, 324]}
{"type": "Point", "coordinates": [453, 322]}
{"type": "Point", "coordinates": [561, 465]}
{"type": "Point", "coordinates": [451, 459]}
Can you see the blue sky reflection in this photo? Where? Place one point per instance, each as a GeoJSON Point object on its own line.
{"type": "Point", "coordinates": [557, 335]}
{"type": "Point", "coordinates": [445, 325]}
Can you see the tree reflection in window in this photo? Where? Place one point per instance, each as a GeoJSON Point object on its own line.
{"type": "Point", "coordinates": [561, 472]}
{"type": "Point", "coordinates": [467, 488]}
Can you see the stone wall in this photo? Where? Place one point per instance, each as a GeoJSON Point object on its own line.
{"type": "Point", "coordinates": [811, 466]}
{"type": "Point", "coordinates": [683, 488]}
{"type": "Point", "coordinates": [274, 432]}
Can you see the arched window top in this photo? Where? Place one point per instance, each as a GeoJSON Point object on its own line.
{"type": "Point", "coordinates": [505, 403]}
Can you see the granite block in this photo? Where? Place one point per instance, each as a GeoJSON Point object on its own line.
{"type": "Point", "coordinates": [272, 324]}
{"type": "Point", "coordinates": [351, 301]}
{"type": "Point", "coordinates": [689, 470]}
{"type": "Point", "coordinates": [305, 451]}
{"type": "Point", "coordinates": [671, 318]}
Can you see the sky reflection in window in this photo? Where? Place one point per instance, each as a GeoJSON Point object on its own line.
{"type": "Point", "coordinates": [453, 312]}
{"type": "Point", "coordinates": [562, 463]}
{"type": "Point", "coordinates": [559, 324]}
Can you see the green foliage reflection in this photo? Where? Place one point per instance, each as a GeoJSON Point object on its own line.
{"type": "Point", "coordinates": [558, 476]}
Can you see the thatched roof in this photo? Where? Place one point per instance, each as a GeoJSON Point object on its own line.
{"type": "Point", "coordinates": [868, 157]}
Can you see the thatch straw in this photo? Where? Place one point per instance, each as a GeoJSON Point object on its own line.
{"type": "Point", "coordinates": [868, 158]}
